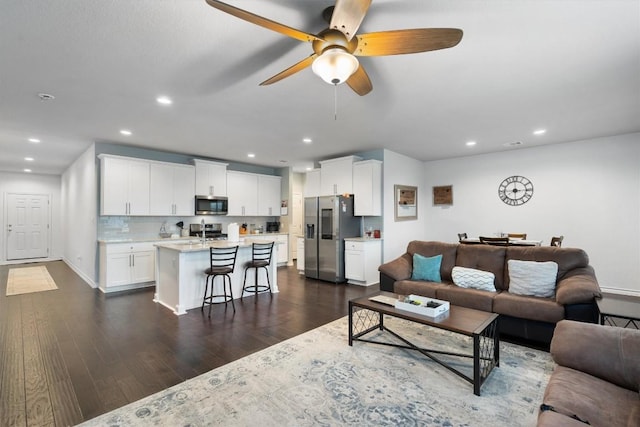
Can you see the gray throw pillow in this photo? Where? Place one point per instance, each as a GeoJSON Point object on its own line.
{"type": "Point", "coordinates": [532, 278]}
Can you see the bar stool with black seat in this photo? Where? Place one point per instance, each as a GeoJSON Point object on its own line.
{"type": "Point", "coordinates": [223, 262]}
{"type": "Point", "coordinates": [260, 258]}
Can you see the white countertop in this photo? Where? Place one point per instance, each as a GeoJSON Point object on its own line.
{"type": "Point", "coordinates": [195, 245]}
{"type": "Point", "coordinates": [362, 239]}
{"type": "Point", "coordinates": [174, 239]}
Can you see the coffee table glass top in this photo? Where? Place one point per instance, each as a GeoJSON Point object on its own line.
{"type": "Point", "coordinates": [462, 320]}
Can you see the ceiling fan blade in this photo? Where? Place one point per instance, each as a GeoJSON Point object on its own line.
{"type": "Point", "coordinates": [263, 22]}
{"type": "Point", "coordinates": [348, 15]}
{"type": "Point", "coordinates": [359, 82]}
{"type": "Point", "coordinates": [291, 70]}
{"type": "Point", "coordinates": [399, 42]}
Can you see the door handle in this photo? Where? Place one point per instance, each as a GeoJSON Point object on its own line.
{"type": "Point", "coordinates": [9, 227]}
{"type": "Point", "coordinates": [133, 260]}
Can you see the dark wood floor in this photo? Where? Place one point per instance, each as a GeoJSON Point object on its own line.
{"type": "Point", "coordinates": [74, 353]}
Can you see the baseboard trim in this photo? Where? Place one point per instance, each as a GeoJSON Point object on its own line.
{"type": "Point", "coordinates": [80, 273]}
{"type": "Point", "coordinates": [619, 291]}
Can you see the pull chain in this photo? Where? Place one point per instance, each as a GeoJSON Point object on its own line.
{"type": "Point", "coordinates": [335, 102]}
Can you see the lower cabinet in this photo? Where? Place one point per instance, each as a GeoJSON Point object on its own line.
{"type": "Point", "coordinates": [362, 258]}
{"type": "Point", "coordinates": [282, 240]}
{"type": "Point", "coordinates": [300, 258]}
{"type": "Point", "coordinates": [126, 265]}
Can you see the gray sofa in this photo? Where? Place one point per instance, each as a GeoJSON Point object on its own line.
{"type": "Point", "coordinates": [597, 377]}
{"type": "Point", "coordinates": [522, 317]}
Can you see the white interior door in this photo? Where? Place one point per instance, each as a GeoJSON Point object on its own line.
{"type": "Point", "coordinates": [28, 218]}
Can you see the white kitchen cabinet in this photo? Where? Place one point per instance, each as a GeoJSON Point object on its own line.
{"type": "Point", "coordinates": [282, 240]}
{"type": "Point", "coordinates": [300, 258]}
{"type": "Point", "coordinates": [367, 188]}
{"type": "Point", "coordinates": [243, 193]}
{"type": "Point", "coordinates": [253, 194]}
{"type": "Point", "coordinates": [172, 189]}
{"type": "Point", "coordinates": [336, 176]}
{"type": "Point", "coordinates": [211, 178]}
{"type": "Point", "coordinates": [126, 265]}
{"type": "Point", "coordinates": [361, 260]}
{"type": "Point", "coordinates": [124, 186]}
{"type": "Point", "coordinates": [312, 183]}
{"type": "Point", "coordinates": [269, 195]}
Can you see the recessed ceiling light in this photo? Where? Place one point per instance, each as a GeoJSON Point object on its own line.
{"type": "Point", "coordinates": [27, 170]}
{"type": "Point", "coordinates": [34, 140]}
{"type": "Point", "coordinates": [125, 132]}
{"type": "Point", "coordinates": [309, 168]}
{"type": "Point", "coordinates": [164, 100]}
{"type": "Point", "coordinates": [46, 97]}
{"type": "Point", "coordinates": [251, 155]}
{"type": "Point", "coordinates": [307, 140]}
{"type": "Point", "coordinates": [29, 159]}
{"type": "Point", "coordinates": [470, 143]}
{"type": "Point", "coordinates": [540, 132]}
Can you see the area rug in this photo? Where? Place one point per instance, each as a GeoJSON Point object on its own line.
{"type": "Point", "coordinates": [316, 379]}
{"type": "Point", "coordinates": [25, 280]}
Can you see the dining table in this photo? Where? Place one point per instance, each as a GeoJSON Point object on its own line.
{"type": "Point", "coordinates": [512, 242]}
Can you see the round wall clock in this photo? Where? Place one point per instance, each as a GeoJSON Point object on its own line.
{"type": "Point", "coordinates": [515, 190]}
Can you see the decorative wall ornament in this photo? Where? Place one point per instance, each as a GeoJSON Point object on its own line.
{"type": "Point", "coordinates": [406, 202]}
{"type": "Point", "coordinates": [443, 195]}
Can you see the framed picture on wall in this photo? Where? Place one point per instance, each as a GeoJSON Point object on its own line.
{"type": "Point", "coordinates": [406, 202]}
{"type": "Point", "coordinates": [443, 195]}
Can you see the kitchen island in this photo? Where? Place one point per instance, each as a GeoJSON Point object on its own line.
{"type": "Point", "coordinates": [180, 277]}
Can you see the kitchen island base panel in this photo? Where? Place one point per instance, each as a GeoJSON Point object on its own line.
{"type": "Point", "coordinates": [180, 278]}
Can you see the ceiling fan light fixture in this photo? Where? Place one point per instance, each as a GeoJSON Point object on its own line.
{"type": "Point", "coordinates": [335, 65]}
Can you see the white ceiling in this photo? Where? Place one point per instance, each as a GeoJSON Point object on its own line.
{"type": "Point", "coordinates": [569, 66]}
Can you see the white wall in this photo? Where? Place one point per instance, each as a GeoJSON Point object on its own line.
{"type": "Point", "coordinates": [401, 170]}
{"type": "Point", "coordinates": [26, 183]}
{"type": "Point", "coordinates": [588, 191]}
{"type": "Point", "coordinates": [79, 207]}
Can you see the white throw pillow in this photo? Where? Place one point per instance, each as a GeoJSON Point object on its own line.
{"type": "Point", "coordinates": [532, 278]}
{"type": "Point", "coordinates": [472, 278]}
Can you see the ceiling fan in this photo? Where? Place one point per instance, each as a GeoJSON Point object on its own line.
{"type": "Point", "coordinates": [335, 48]}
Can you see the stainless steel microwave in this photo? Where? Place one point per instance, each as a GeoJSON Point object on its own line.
{"type": "Point", "coordinates": [212, 205]}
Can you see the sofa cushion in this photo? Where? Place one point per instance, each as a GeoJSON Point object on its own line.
{"type": "Point", "coordinates": [474, 279]}
{"type": "Point", "coordinates": [526, 307]}
{"type": "Point", "coordinates": [555, 419]}
{"type": "Point", "coordinates": [470, 298]}
{"type": "Point", "coordinates": [591, 399]}
{"type": "Point", "coordinates": [447, 250]}
{"type": "Point", "coordinates": [426, 289]}
{"type": "Point", "coordinates": [485, 258]}
{"type": "Point", "coordinates": [567, 258]}
{"type": "Point", "coordinates": [534, 278]}
{"type": "Point", "coordinates": [426, 268]}
{"type": "Point", "coordinates": [607, 352]}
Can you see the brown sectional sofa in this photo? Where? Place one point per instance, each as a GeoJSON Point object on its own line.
{"type": "Point", "coordinates": [527, 317]}
{"type": "Point", "coordinates": [597, 377]}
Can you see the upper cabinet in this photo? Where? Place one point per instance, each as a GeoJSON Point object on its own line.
{"type": "Point", "coordinates": [336, 176]}
{"type": "Point", "coordinates": [124, 186]}
{"type": "Point", "coordinates": [172, 189]}
{"type": "Point", "coordinates": [269, 195]}
{"type": "Point", "coordinates": [367, 188]}
{"type": "Point", "coordinates": [312, 183]}
{"type": "Point", "coordinates": [211, 178]}
{"type": "Point", "coordinates": [253, 194]}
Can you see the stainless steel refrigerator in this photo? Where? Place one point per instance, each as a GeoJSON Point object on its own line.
{"type": "Point", "coordinates": [328, 220]}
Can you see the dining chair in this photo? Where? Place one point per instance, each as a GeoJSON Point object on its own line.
{"type": "Point", "coordinates": [462, 236]}
{"type": "Point", "coordinates": [496, 241]}
{"type": "Point", "coordinates": [522, 236]}
{"type": "Point", "coordinates": [557, 241]}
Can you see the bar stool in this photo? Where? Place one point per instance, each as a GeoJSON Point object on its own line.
{"type": "Point", "coordinates": [223, 261]}
{"type": "Point", "coordinates": [260, 258]}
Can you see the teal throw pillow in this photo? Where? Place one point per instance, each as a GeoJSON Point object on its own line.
{"type": "Point", "coordinates": [426, 268]}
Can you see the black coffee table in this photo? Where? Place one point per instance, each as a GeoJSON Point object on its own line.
{"type": "Point", "coordinates": [365, 316]}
